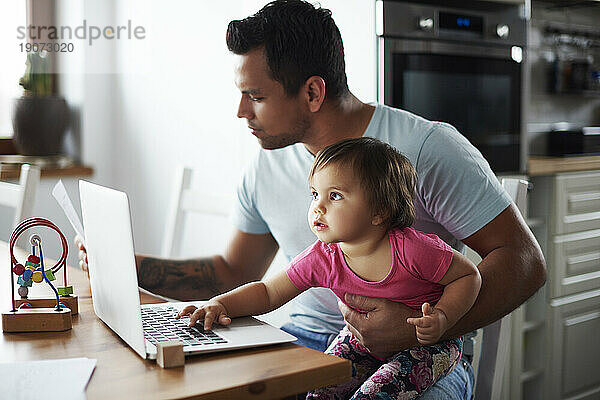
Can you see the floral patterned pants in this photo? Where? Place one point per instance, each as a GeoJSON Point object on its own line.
{"type": "Point", "coordinates": [405, 375]}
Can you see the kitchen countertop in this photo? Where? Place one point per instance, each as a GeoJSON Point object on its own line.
{"type": "Point", "coordinates": [543, 165]}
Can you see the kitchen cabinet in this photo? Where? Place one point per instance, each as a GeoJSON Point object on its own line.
{"type": "Point", "coordinates": [577, 203]}
{"type": "Point", "coordinates": [576, 263]}
{"type": "Point", "coordinates": [557, 330]}
{"type": "Point", "coordinates": [573, 365]}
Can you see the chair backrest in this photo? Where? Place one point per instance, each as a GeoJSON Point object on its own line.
{"type": "Point", "coordinates": [21, 196]}
{"type": "Point", "coordinates": [495, 344]}
{"type": "Point", "coordinates": [185, 200]}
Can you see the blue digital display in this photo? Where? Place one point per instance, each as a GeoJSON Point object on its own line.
{"type": "Point", "coordinates": [463, 21]}
{"type": "Point", "coordinates": [460, 22]}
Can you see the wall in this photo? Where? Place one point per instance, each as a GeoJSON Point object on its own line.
{"type": "Point", "coordinates": [82, 83]}
{"type": "Point", "coordinates": [143, 107]}
{"type": "Point", "coordinates": [87, 80]}
{"type": "Point", "coordinates": [175, 102]}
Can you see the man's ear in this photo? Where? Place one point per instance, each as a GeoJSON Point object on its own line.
{"type": "Point", "coordinates": [314, 89]}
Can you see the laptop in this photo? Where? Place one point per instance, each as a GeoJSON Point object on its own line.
{"type": "Point", "coordinates": [115, 294]}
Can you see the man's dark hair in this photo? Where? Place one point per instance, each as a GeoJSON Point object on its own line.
{"type": "Point", "coordinates": [300, 41]}
{"type": "Point", "coordinates": [387, 177]}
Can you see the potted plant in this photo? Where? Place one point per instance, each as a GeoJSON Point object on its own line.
{"type": "Point", "coordinates": [40, 117]}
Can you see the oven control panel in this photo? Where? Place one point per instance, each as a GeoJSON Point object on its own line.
{"type": "Point", "coordinates": [502, 24]}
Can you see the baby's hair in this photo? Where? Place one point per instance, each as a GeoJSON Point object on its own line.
{"type": "Point", "coordinates": [387, 177]}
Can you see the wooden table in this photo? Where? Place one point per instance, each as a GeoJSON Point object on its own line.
{"type": "Point", "coordinates": [267, 372]}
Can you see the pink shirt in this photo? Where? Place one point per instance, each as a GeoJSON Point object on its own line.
{"type": "Point", "coordinates": [420, 260]}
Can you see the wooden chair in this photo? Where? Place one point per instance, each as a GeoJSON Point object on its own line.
{"type": "Point", "coordinates": [186, 200]}
{"type": "Point", "coordinates": [21, 196]}
{"type": "Point", "coordinates": [495, 344]}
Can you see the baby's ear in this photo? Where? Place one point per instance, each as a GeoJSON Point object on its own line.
{"type": "Point", "coordinates": [377, 220]}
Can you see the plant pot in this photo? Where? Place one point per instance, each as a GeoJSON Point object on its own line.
{"type": "Point", "coordinates": [39, 125]}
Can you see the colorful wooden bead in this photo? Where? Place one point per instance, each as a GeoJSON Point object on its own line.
{"type": "Point", "coordinates": [30, 264]}
{"type": "Point", "coordinates": [19, 269]}
{"type": "Point", "coordinates": [27, 274]}
{"type": "Point", "coordinates": [33, 259]}
{"type": "Point", "coordinates": [25, 305]}
{"type": "Point", "coordinates": [49, 275]}
{"type": "Point", "coordinates": [23, 291]}
{"type": "Point", "coordinates": [65, 290]}
{"type": "Point", "coordinates": [37, 276]}
{"type": "Point", "coordinates": [24, 282]}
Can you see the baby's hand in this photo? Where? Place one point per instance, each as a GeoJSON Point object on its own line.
{"type": "Point", "coordinates": [212, 311]}
{"type": "Point", "coordinates": [431, 326]}
{"type": "Point", "coordinates": [186, 311]}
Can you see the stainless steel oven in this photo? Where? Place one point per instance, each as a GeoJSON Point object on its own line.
{"type": "Point", "coordinates": [462, 65]}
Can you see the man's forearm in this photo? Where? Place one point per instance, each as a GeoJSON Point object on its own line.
{"type": "Point", "coordinates": [507, 281]}
{"type": "Point", "coordinates": [192, 279]}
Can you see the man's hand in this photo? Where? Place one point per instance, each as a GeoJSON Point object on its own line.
{"type": "Point", "coordinates": [382, 328]}
{"type": "Point", "coordinates": [83, 261]}
{"type": "Point", "coordinates": [431, 325]}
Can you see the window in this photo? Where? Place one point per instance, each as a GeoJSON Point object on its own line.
{"type": "Point", "coordinates": [12, 15]}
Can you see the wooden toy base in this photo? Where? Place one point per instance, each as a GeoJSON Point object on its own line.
{"type": "Point", "coordinates": [170, 354]}
{"type": "Point", "coordinates": [37, 320]}
{"type": "Point", "coordinates": [69, 301]}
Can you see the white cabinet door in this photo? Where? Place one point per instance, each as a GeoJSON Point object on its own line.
{"type": "Point", "coordinates": [575, 347]}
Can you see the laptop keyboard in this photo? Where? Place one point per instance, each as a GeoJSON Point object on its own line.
{"type": "Point", "coordinates": [160, 325]}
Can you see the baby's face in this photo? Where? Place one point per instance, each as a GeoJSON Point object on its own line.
{"type": "Point", "coordinates": [339, 211]}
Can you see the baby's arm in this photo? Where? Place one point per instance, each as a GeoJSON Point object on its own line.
{"type": "Point", "coordinates": [250, 299]}
{"type": "Point", "coordinates": [462, 283]}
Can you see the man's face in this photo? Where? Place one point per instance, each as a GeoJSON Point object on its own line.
{"type": "Point", "coordinates": [276, 119]}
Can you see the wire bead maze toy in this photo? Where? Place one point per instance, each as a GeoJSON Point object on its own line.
{"type": "Point", "coordinates": [46, 314]}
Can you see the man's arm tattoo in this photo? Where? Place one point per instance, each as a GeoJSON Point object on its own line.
{"type": "Point", "coordinates": [195, 278]}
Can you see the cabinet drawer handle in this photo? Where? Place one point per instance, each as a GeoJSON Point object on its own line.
{"type": "Point", "coordinates": [574, 298]}
{"type": "Point", "coordinates": [583, 258]}
{"type": "Point", "coordinates": [582, 318]}
{"type": "Point", "coordinates": [573, 280]}
{"type": "Point", "coordinates": [574, 237]}
{"type": "Point", "coordinates": [576, 198]}
{"type": "Point", "coordinates": [571, 219]}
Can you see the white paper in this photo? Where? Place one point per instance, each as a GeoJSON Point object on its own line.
{"type": "Point", "coordinates": [61, 196]}
{"type": "Point", "coordinates": [64, 379]}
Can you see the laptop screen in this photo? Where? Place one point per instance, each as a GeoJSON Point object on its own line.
{"type": "Point", "coordinates": [111, 259]}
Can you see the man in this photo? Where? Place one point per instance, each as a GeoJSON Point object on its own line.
{"type": "Point", "coordinates": [291, 75]}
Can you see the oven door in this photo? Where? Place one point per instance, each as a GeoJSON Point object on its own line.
{"type": "Point", "coordinates": [475, 88]}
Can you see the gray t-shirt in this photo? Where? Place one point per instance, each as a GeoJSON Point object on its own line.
{"type": "Point", "coordinates": [457, 194]}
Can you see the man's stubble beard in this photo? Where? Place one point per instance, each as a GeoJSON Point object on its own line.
{"type": "Point", "coordinates": [297, 135]}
